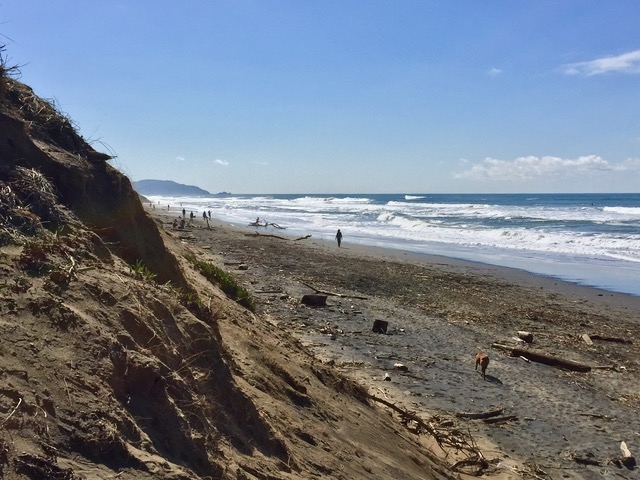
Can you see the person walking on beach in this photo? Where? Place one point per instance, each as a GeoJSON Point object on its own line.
{"type": "Point", "coordinates": [339, 237]}
{"type": "Point", "coordinates": [184, 213]}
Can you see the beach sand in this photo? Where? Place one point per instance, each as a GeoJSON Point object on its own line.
{"type": "Point", "coordinates": [440, 312]}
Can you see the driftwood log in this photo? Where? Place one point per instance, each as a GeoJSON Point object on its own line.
{"type": "Point", "coordinates": [265, 224]}
{"type": "Point", "coordinates": [477, 415]}
{"type": "Point", "coordinates": [256, 234]}
{"type": "Point", "coordinates": [504, 419]}
{"type": "Point", "coordinates": [544, 358]}
{"type": "Point", "coordinates": [604, 338]}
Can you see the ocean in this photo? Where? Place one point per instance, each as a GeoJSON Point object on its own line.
{"type": "Point", "coordinates": [588, 239]}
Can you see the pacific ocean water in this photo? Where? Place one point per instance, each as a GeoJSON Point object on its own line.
{"type": "Point", "coordinates": [589, 239]}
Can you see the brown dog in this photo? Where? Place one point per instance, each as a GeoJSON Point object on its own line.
{"type": "Point", "coordinates": [482, 360]}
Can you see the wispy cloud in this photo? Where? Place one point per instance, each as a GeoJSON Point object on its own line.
{"type": "Point", "coordinates": [527, 168]}
{"type": "Point", "coordinates": [180, 159]}
{"type": "Point", "coordinates": [221, 162]}
{"type": "Point", "coordinates": [625, 63]}
{"type": "Point", "coordinates": [494, 72]}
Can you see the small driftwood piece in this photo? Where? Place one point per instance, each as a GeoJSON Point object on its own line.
{"type": "Point", "coordinates": [587, 339]}
{"type": "Point", "coordinates": [544, 358]}
{"type": "Point", "coordinates": [481, 415]}
{"type": "Point", "coordinates": [504, 419]}
{"type": "Point", "coordinates": [302, 238]}
{"type": "Point", "coordinates": [525, 336]}
{"type": "Point", "coordinates": [333, 294]}
{"type": "Point", "coordinates": [604, 338]}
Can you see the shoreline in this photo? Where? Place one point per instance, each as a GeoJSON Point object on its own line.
{"type": "Point", "coordinates": [422, 256]}
{"type": "Point", "coordinates": [441, 311]}
{"type": "Point", "coordinates": [511, 274]}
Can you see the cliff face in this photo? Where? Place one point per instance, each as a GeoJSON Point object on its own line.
{"type": "Point", "coordinates": [34, 135]}
{"type": "Point", "coordinates": [113, 362]}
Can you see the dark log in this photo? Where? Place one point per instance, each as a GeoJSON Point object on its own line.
{"type": "Point", "coordinates": [312, 300]}
{"type": "Point", "coordinates": [380, 326]}
{"type": "Point", "coordinates": [546, 359]}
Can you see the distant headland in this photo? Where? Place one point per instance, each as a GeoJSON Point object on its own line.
{"type": "Point", "coordinates": [170, 188]}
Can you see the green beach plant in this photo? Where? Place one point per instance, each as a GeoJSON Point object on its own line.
{"type": "Point", "coordinates": [224, 280]}
{"type": "Point", "coordinates": [139, 269]}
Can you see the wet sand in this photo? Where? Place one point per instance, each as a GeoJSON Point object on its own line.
{"type": "Point", "coordinates": [440, 312]}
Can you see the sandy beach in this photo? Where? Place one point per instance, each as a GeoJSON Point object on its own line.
{"type": "Point", "coordinates": [440, 312]}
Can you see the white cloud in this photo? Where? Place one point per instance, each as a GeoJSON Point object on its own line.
{"type": "Point", "coordinates": [180, 159]}
{"type": "Point", "coordinates": [494, 72]}
{"type": "Point", "coordinates": [625, 63]}
{"type": "Point", "coordinates": [527, 168]}
{"type": "Point", "coordinates": [221, 162]}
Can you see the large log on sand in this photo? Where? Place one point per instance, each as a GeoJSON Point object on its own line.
{"type": "Point", "coordinates": [541, 357]}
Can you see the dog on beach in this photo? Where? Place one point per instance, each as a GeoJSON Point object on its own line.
{"type": "Point", "coordinates": [482, 360]}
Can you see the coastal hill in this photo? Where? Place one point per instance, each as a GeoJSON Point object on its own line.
{"type": "Point", "coordinates": [116, 357]}
{"type": "Point", "coordinates": [168, 188]}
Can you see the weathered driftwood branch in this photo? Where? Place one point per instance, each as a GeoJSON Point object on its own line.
{"type": "Point", "coordinates": [265, 224]}
{"type": "Point", "coordinates": [256, 234]}
{"type": "Point", "coordinates": [333, 294]}
{"type": "Point", "coordinates": [451, 438]}
{"type": "Point", "coordinates": [302, 238]}
{"type": "Point", "coordinates": [487, 414]}
{"type": "Point", "coordinates": [541, 357]}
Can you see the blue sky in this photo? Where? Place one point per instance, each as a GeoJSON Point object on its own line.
{"type": "Point", "coordinates": [345, 96]}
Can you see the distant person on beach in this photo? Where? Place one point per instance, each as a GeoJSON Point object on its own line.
{"type": "Point", "coordinates": [339, 237]}
{"type": "Point", "coordinates": [184, 213]}
{"type": "Point", "coordinates": [209, 214]}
